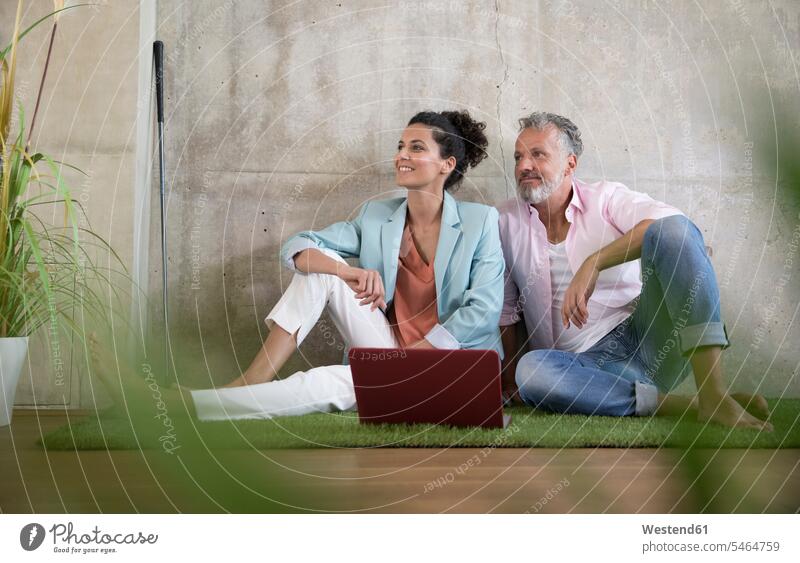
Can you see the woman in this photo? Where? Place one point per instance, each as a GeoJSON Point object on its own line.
{"type": "Point", "coordinates": [430, 275]}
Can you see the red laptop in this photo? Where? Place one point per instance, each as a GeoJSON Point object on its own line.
{"type": "Point", "coordinates": [455, 387]}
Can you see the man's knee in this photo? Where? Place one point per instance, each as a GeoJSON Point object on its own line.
{"type": "Point", "coordinates": [676, 232]}
{"type": "Point", "coordinates": [537, 372]}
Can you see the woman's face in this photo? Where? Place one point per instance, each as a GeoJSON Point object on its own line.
{"type": "Point", "coordinates": [418, 163]}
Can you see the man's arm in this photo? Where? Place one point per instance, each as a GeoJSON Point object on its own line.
{"type": "Point", "coordinates": [626, 248]}
{"type": "Point", "coordinates": [630, 212]}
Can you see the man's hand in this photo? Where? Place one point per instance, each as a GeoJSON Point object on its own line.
{"type": "Point", "coordinates": [576, 298]}
{"type": "Point", "coordinates": [626, 248]}
{"type": "Point", "coordinates": [367, 285]}
{"type": "Point", "coordinates": [726, 411]}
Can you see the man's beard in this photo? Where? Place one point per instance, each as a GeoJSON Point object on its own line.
{"type": "Point", "coordinates": [540, 194]}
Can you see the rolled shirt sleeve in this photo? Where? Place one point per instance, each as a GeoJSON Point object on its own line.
{"type": "Point", "coordinates": [292, 247]}
{"type": "Point", "coordinates": [440, 337]}
{"type": "Point", "coordinates": [343, 237]}
{"type": "Point", "coordinates": [627, 208]}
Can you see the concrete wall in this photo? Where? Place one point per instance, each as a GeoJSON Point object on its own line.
{"type": "Point", "coordinates": [87, 118]}
{"type": "Point", "coordinates": [284, 116]}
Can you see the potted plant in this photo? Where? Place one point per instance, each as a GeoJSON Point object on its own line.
{"type": "Point", "coordinates": [46, 272]}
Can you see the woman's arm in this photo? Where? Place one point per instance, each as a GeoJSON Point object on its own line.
{"type": "Point", "coordinates": [343, 237]}
{"type": "Point", "coordinates": [303, 253]}
{"type": "Point", "coordinates": [367, 284]}
{"type": "Point", "coordinates": [314, 261]}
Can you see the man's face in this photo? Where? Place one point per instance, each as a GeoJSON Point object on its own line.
{"type": "Point", "coordinates": [540, 165]}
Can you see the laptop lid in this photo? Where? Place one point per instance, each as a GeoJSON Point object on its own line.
{"type": "Point", "coordinates": [455, 387]}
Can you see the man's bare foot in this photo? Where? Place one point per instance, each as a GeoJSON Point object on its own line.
{"type": "Point", "coordinates": [671, 404]}
{"type": "Point", "coordinates": [728, 412]}
{"type": "Point", "coordinates": [754, 404]}
{"type": "Point", "coordinates": [678, 405]}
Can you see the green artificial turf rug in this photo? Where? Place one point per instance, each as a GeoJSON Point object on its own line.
{"type": "Point", "coordinates": [528, 428]}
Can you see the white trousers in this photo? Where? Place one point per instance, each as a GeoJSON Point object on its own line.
{"type": "Point", "coordinates": [322, 389]}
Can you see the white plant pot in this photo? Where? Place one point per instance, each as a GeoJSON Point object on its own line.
{"type": "Point", "coordinates": [12, 358]}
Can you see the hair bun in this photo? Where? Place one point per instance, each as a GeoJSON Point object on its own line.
{"type": "Point", "coordinates": [459, 136]}
{"type": "Point", "coordinates": [475, 141]}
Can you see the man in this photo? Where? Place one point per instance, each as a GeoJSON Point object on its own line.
{"type": "Point", "coordinates": [617, 292]}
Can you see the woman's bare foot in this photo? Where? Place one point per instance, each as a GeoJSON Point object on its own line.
{"type": "Point", "coordinates": [125, 386]}
{"type": "Point", "coordinates": [238, 382]}
{"type": "Point", "coordinates": [248, 378]}
{"type": "Point", "coordinates": [117, 375]}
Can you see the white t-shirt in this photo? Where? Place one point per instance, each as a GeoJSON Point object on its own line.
{"type": "Point", "coordinates": [602, 320]}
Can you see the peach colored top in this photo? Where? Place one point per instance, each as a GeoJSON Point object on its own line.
{"type": "Point", "coordinates": [413, 311]}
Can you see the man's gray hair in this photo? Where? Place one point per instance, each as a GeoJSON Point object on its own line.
{"type": "Point", "coordinates": [569, 134]}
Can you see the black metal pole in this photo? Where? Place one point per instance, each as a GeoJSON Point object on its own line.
{"type": "Point", "coordinates": [158, 60]}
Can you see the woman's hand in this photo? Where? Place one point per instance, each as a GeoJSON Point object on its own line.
{"type": "Point", "coordinates": [576, 298]}
{"type": "Point", "coordinates": [367, 284]}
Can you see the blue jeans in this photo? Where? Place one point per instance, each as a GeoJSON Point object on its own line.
{"type": "Point", "coordinates": [678, 310]}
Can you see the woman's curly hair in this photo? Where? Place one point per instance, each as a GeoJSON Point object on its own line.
{"type": "Point", "coordinates": [457, 135]}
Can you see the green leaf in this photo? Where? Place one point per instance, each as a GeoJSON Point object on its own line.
{"type": "Point", "coordinates": [5, 51]}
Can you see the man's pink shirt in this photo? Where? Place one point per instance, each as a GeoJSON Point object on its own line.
{"type": "Point", "coordinates": [599, 214]}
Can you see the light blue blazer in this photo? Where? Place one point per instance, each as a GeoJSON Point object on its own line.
{"type": "Point", "coordinates": [468, 265]}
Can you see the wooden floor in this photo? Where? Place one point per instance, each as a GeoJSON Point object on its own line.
{"type": "Point", "coordinates": [391, 480]}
